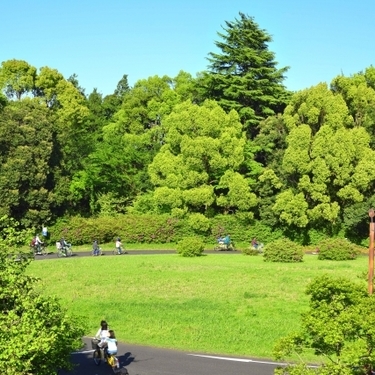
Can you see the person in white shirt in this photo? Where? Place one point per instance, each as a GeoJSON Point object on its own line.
{"type": "Point", "coordinates": [119, 246]}
{"type": "Point", "coordinates": [38, 244]}
{"type": "Point", "coordinates": [102, 334]}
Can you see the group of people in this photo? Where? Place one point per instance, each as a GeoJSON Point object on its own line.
{"type": "Point", "coordinates": [107, 338]}
{"type": "Point", "coordinates": [224, 240]}
{"type": "Point", "coordinates": [118, 245]}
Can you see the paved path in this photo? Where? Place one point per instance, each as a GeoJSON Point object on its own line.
{"type": "Point", "coordinates": [53, 254]}
{"type": "Point", "coordinates": [142, 360]}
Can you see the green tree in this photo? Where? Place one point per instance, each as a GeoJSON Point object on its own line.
{"type": "Point", "coordinates": [38, 335]}
{"type": "Point", "coordinates": [26, 145]}
{"type": "Point", "coordinates": [196, 168]}
{"type": "Point", "coordinates": [327, 164]}
{"type": "Point", "coordinates": [339, 326]}
{"type": "Point", "coordinates": [244, 76]}
{"type": "Point", "coordinates": [17, 77]}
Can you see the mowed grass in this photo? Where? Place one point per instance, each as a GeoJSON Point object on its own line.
{"type": "Point", "coordinates": [219, 303]}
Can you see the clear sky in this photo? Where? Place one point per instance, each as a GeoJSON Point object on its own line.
{"type": "Point", "coordinates": [101, 40]}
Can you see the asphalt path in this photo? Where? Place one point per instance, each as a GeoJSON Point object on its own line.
{"type": "Point", "coordinates": [143, 360]}
{"type": "Point", "coordinates": [53, 254]}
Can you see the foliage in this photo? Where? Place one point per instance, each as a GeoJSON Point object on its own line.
{"type": "Point", "coordinates": [337, 249]}
{"type": "Point", "coordinates": [196, 168]}
{"type": "Point", "coordinates": [17, 77]}
{"type": "Point", "coordinates": [339, 326]}
{"type": "Point", "coordinates": [190, 247]}
{"type": "Point", "coordinates": [250, 250]}
{"type": "Point", "coordinates": [13, 237]}
{"type": "Point", "coordinates": [38, 335]}
{"type": "Point", "coordinates": [283, 250]}
{"type": "Point", "coordinates": [328, 162]}
{"type": "Point", "coordinates": [199, 222]}
{"type": "Point", "coordinates": [243, 76]}
{"type": "Point", "coordinates": [131, 228]}
{"type": "Point", "coordinates": [26, 145]}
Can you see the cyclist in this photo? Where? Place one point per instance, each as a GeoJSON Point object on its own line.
{"type": "Point", "coordinates": [254, 243]}
{"type": "Point", "coordinates": [102, 334]}
{"type": "Point", "coordinates": [95, 248]}
{"type": "Point", "coordinates": [119, 246]}
{"type": "Point", "coordinates": [38, 244]}
{"type": "Point", "coordinates": [64, 245]}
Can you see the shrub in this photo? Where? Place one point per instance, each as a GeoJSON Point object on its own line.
{"type": "Point", "coordinates": [283, 250]}
{"type": "Point", "coordinates": [190, 247]}
{"type": "Point", "coordinates": [250, 251]}
{"type": "Point", "coordinates": [337, 249]}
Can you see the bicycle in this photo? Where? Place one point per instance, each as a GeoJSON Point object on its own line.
{"type": "Point", "coordinates": [97, 252]}
{"type": "Point", "coordinates": [41, 250]}
{"type": "Point", "coordinates": [224, 247]}
{"type": "Point", "coordinates": [65, 251]}
{"type": "Point", "coordinates": [116, 252]}
{"type": "Point", "coordinates": [100, 354]}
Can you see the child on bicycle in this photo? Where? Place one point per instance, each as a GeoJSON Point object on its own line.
{"type": "Point", "coordinates": [119, 248]}
{"type": "Point", "coordinates": [111, 343]}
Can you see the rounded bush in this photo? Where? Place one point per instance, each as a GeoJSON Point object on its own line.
{"type": "Point", "coordinates": [337, 249]}
{"type": "Point", "coordinates": [283, 250]}
{"type": "Point", "coordinates": [250, 251]}
{"type": "Point", "coordinates": [190, 247]}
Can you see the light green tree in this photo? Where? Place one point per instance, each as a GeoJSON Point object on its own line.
{"type": "Point", "coordinates": [17, 77]}
{"type": "Point", "coordinates": [38, 335]}
{"type": "Point", "coordinates": [327, 164]}
{"type": "Point", "coordinates": [196, 168]}
{"type": "Point", "coordinates": [338, 328]}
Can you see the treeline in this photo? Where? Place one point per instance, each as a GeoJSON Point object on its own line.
{"type": "Point", "coordinates": [230, 141]}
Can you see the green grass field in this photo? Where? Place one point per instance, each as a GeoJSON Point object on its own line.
{"type": "Point", "coordinates": [219, 303]}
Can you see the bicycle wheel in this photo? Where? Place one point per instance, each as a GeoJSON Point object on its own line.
{"type": "Point", "coordinates": [97, 357]}
{"type": "Point", "coordinates": [59, 253]}
{"type": "Point", "coordinates": [69, 252]}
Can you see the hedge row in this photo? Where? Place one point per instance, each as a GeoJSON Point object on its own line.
{"type": "Point", "coordinates": [133, 228]}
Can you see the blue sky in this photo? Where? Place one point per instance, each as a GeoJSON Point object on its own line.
{"type": "Point", "coordinates": [102, 40]}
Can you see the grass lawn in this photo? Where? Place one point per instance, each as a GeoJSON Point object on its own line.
{"type": "Point", "coordinates": [218, 303]}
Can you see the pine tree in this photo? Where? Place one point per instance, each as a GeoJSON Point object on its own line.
{"type": "Point", "coordinates": [244, 76]}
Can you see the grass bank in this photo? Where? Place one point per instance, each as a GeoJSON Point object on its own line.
{"type": "Point", "coordinates": [217, 303]}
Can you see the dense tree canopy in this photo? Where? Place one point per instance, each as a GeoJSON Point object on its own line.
{"type": "Point", "coordinates": [230, 140]}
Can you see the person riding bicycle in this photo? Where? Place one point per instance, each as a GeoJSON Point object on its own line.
{"type": "Point", "coordinates": [227, 241]}
{"type": "Point", "coordinates": [102, 334]}
{"type": "Point", "coordinates": [95, 247]}
{"type": "Point", "coordinates": [119, 246]}
{"type": "Point", "coordinates": [254, 243]}
{"type": "Point", "coordinates": [38, 244]}
{"type": "Point", "coordinates": [64, 245]}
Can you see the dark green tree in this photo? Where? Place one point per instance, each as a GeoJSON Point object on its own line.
{"type": "Point", "coordinates": [244, 75]}
{"type": "Point", "coordinates": [25, 150]}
